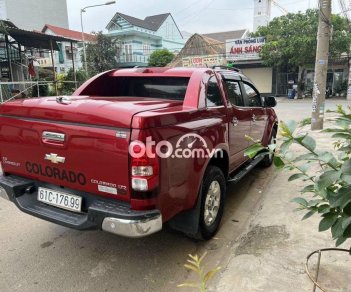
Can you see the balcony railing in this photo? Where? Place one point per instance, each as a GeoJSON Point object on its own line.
{"type": "Point", "coordinates": [133, 59]}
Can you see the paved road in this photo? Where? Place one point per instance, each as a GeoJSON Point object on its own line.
{"type": "Point", "coordinates": [40, 256]}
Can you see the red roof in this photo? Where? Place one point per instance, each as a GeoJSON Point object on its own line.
{"type": "Point", "coordinates": [67, 33]}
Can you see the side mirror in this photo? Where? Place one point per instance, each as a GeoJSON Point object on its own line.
{"type": "Point", "coordinates": [270, 101]}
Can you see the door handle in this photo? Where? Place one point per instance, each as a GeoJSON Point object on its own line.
{"type": "Point", "coordinates": [235, 121]}
{"type": "Point", "coordinates": [254, 118]}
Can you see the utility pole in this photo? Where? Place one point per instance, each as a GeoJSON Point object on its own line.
{"type": "Point", "coordinates": [321, 66]}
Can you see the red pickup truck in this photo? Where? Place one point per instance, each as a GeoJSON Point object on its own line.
{"type": "Point", "coordinates": [133, 149]}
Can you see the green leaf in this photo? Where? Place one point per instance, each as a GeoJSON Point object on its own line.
{"type": "Point", "coordinates": [252, 151]}
{"type": "Point", "coordinates": [314, 203]}
{"type": "Point", "coordinates": [346, 167]}
{"type": "Point", "coordinates": [323, 209]}
{"type": "Point", "coordinates": [328, 157]}
{"type": "Point", "coordinates": [346, 178]}
{"type": "Point", "coordinates": [308, 215]}
{"type": "Point", "coordinates": [285, 146]}
{"type": "Point", "coordinates": [347, 232]}
{"type": "Point", "coordinates": [309, 143]}
{"type": "Point", "coordinates": [278, 162]}
{"type": "Point", "coordinates": [296, 176]}
{"type": "Point", "coordinates": [327, 179]}
{"type": "Point", "coordinates": [308, 189]}
{"type": "Point", "coordinates": [336, 229]}
{"type": "Point", "coordinates": [341, 198]}
{"type": "Point", "coordinates": [327, 222]}
{"type": "Point", "coordinates": [300, 201]}
{"type": "Point", "coordinates": [346, 223]}
{"type": "Point", "coordinates": [347, 209]}
{"type": "Point", "coordinates": [287, 128]}
{"type": "Point", "coordinates": [342, 136]}
{"type": "Point", "coordinates": [340, 241]}
{"type": "Point", "coordinates": [305, 122]}
{"type": "Point", "coordinates": [308, 156]}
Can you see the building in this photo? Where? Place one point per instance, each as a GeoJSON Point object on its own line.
{"type": "Point", "coordinates": [206, 50]}
{"type": "Point", "coordinates": [139, 38]}
{"type": "Point", "coordinates": [34, 14]}
{"type": "Point", "coordinates": [262, 13]}
{"type": "Point", "coordinates": [68, 51]}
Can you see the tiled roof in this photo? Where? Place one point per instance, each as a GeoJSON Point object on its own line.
{"type": "Point", "coordinates": [67, 33]}
{"type": "Point", "coordinates": [226, 35]}
{"type": "Point", "coordinates": [151, 22]}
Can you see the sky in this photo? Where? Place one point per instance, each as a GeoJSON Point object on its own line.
{"type": "Point", "coordinates": [194, 16]}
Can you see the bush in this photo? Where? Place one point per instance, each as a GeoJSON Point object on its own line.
{"type": "Point", "coordinates": [160, 58]}
{"type": "Point", "coordinates": [327, 176]}
{"type": "Point", "coordinates": [66, 86]}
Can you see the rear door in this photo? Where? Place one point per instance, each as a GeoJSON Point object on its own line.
{"type": "Point", "coordinates": [254, 101]}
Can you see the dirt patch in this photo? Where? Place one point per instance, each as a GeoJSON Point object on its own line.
{"type": "Point", "coordinates": [261, 239]}
{"type": "Point", "coordinates": [46, 244]}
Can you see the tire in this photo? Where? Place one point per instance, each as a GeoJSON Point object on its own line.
{"type": "Point", "coordinates": [212, 204]}
{"type": "Point", "coordinates": [267, 161]}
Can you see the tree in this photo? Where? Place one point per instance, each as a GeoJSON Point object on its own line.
{"type": "Point", "coordinates": [101, 54]}
{"type": "Point", "coordinates": [66, 85]}
{"type": "Point", "coordinates": [291, 39]}
{"type": "Point", "coordinates": [160, 58]}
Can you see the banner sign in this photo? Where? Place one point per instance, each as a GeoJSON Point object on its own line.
{"type": "Point", "coordinates": [203, 61]}
{"type": "Point", "coordinates": [244, 49]}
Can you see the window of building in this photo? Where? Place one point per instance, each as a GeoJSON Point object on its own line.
{"type": "Point", "coordinates": [253, 97]}
{"type": "Point", "coordinates": [128, 51]}
{"type": "Point", "coordinates": [234, 93]}
{"type": "Point", "coordinates": [146, 50]}
{"type": "Point", "coordinates": [213, 96]}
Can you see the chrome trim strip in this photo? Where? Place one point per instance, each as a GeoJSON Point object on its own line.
{"type": "Point", "coordinates": [132, 228]}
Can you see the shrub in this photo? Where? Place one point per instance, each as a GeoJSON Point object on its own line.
{"type": "Point", "coordinates": [327, 175]}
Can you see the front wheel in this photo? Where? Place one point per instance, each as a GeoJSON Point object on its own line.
{"type": "Point", "coordinates": [212, 205]}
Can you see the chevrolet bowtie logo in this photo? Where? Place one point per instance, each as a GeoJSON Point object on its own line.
{"type": "Point", "coordinates": [54, 158]}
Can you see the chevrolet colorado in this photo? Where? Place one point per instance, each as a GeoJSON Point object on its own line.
{"type": "Point", "coordinates": [133, 149]}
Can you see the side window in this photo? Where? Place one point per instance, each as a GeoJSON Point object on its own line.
{"type": "Point", "coordinates": [234, 93]}
{"type": "Point", "coordinates": [213, 96]}
{"type": "Point", "coordinates": [253, 97]}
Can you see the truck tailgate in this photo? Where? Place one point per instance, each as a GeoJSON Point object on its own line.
{"type": "Point", "coordinates": [90, 158]}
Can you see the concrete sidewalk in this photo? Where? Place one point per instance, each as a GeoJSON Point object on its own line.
{"type": "Point", "coordinates": [271, 254]}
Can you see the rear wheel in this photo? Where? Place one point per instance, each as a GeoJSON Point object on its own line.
{"type": "Point", "coordinates": [267, 161]}
{"type": "Point", "coordinates": [212, 205]}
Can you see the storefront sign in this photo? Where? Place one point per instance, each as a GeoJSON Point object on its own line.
{"type": "Point", "coordinates": [44, 62]}
{"type": "Point", "coordinates": [203, 61]}
{"type": "Point", "coordinates": [244, 49]}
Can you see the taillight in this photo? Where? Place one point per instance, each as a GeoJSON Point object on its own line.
{"type": "Point", "coordinates": [144, 173]}
{"type": "Point", "coordinates": [144, 168]}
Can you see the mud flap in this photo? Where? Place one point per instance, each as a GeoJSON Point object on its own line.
{"type": "Point", "coordinates": [188, 221]}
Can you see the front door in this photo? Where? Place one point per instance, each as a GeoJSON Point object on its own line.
{"type": "Point", "coordinates": [258, 113]}
{"type": "Point", "coordinates": [239, 123]}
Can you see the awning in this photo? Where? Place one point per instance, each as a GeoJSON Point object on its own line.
{"type": "Point", "coordinates": [31, 39]}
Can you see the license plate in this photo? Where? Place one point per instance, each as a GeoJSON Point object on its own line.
{"type": "Point", "coordinates": [61, 200]}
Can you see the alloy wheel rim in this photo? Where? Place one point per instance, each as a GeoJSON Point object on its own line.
{"type": "Point", "coordinates": [212, 203]}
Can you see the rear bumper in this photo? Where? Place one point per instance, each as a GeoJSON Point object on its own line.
{"type": "Point", "coordinates": [98, 213]}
